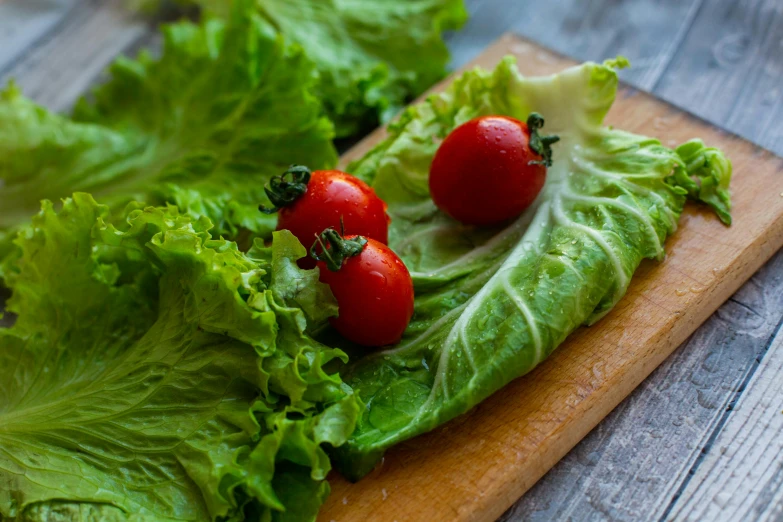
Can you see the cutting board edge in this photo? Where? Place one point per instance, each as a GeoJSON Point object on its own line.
{"type": "Point", "coordinates": [597, 410]}
{"type": "Point", "coordinates": [492, 505]}
{"type": "Point", "coordinates": [499, 46]}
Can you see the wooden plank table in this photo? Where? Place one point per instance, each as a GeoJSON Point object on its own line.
{"type": "Point", "coordinates": [701, 438]}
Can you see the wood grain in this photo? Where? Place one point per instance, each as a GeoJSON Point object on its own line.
{"type": "Point", "coordinates": [632, 466]}
{"type": "Point", "coordinates": [636, 463]}
{"type": "Point", "coordinates": [742, 474]}
{"type": "Point", "coordinates": [60, 67]}
{"type": "Point", "coordinates": [719, 58]}
{"type": "Point", "coordinates": [22, 24]}
{"type": "Point", "coordinates": [477, 465]}
{"type": "Point", "coordinates": [732, 61]}
{"type": "Point", "coordinates": [646, 32]}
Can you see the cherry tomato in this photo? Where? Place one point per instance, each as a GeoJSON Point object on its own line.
{"type": "Point", "coordinates": [373, 288]}
{"type": "Point", "coordinates": [490, 169]}
{"type": "Point", "coordinates": [313, 202]}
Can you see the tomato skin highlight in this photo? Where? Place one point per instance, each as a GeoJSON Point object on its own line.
{"type": "Point", "coordinates": [331, 195]}
{"type": "Point", "coordinates": [374, 293]}
{"type": "Point", "coordinates": [481, 173]}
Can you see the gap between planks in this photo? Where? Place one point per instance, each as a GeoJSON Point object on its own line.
{"type": "Point", "coordinates": [639, 114]}
{"type": "Point", "coordinates": [634, 463]}
{"type": "Point", "coordinates": [97, 61]}
{"type": "Point", "coordinates": [741, 477]}
{"type": "Point", "coordinates": [59, 67]}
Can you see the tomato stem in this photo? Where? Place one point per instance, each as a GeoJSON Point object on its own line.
{"type": "Point", "coordinates": [541, 145]}
{"type": "Point", "coordinates": [335, 249]}
{"type": "Point", "coordinates": [281, 192]}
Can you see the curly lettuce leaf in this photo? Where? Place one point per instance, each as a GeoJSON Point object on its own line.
{"type": "Point", "coordinates": [154, 373]}
{"type": "Point", "coordinates": [706, 177]}
{"type": "Point", "coordinates": [226, 106]}
{"type": "Point", "coordinates": [373, 56]}
{"type": "Point", "coordinates": [491, 304]}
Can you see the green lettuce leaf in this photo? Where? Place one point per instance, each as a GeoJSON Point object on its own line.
{"type": "Point", "coordinates": [373, 56]}
{"type": "Point", "coordinates": [227, 106]}
{"type": "Point", "coordinates": [154, 373]}
{"type": "Point", "coordinates": [491, 304]}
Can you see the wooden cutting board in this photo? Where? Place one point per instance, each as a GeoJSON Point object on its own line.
{"type": "Point", "coordinates": [476, 466]}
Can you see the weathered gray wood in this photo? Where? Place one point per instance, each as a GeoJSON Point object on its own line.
{"type": "Point", "coordinates": [741, 476]}
{"type": "Point", "coordinates": [721, 59]}
{"type": "Point", "coordinates": [647, 32]}
{"type": "Point", "coordinates": [633, 464]}
{"type": "Point", "coordinates": [22, 24]}
{"type": "Point", "coordinates": [729, 69]}
{"type": "Point", "coordinates": [57, 69]}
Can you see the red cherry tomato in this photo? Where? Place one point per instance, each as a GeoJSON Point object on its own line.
{"type": "Point", "coordinates": [490, 169]}
{"type": "Point", "coordinates": [313, 202]}
{"type": "Point", "coordinates": [373, 288]}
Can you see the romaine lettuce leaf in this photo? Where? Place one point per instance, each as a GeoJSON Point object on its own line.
{"type": "Point", "coordinates": [226, 106]}
{"type": "Point", "coordinates": [154, 373]}
{"type": "Point", "coordinates": [373, 56]}
{"type": "Point", "coordinates": [492, 304]}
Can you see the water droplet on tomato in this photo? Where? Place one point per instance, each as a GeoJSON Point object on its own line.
{"type": "Point", "coordinates": [378, 278]}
